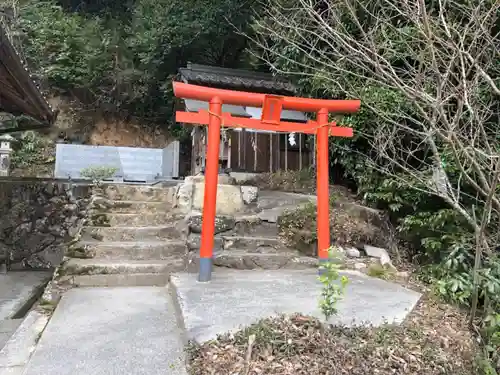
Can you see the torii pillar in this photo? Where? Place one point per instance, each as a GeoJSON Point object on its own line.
{"type": "Point", "coordinates": [272, 105]}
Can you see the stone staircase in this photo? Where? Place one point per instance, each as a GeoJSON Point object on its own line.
{"type": "Point", "coordinates": [133, 237]}
{"type": "Point", "coordinates": [138, 235]}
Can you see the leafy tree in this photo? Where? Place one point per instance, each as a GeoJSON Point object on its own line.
{"type": "Point", "coordinates": [427, 136]}
{"type": "Point", "coordinates": [119, 56]}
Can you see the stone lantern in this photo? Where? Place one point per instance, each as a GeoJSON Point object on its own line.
{"type": "Point", "coordinates": [5, 150]}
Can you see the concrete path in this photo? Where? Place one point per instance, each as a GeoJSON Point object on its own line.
{"type": "Point", "coordinates": [17, 351]}
{"type": "Point", "coordinates": [108, 331]}
{"type": "Point", "coordinates": [236, 298]}
{"type": "Point", "coordinates": [17, 288]}
{"type": "Point", "coordinates": [7, 328]}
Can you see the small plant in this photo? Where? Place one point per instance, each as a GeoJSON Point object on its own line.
{"type": "Point", "coordinates": [98, 173]}
{"type": "Point", "coordinates": [332, 291]}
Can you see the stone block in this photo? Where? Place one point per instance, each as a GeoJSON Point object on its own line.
{"type": "Point", "coordinates": [377, 252]}
{"type": "Point", "coordinates": [229, 199]}
{"type": "Point", "coordinates": [352, 252]}
{"type": "Point", "coordinates": [250, 194]}
{"type": "Point", "coordinates": [184, 198]}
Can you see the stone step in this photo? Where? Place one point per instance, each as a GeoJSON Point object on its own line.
{"type": "Point", "coordinates": [163, 232]}
{"type": "Point", "coordinates": [248, 260]}
{"type": "Point", "coordinates": [138, 207]}
{"type": "Point", "coordinates": [140, 193]}
{"type": "Point", "coordinates": [80, 267]}
{"type": "Point", "coordinates": [7, 329]}
{"type": "Point", "coordinates": [134, 250]}
{"type": "Point", "coordinates": [134, 220]}
{"type": "Point", "coordinates": [251, 242]}
{"type": "Point", "coordinates": [123, 280]}
{"type": "Point", "coordinates": [257, 229]}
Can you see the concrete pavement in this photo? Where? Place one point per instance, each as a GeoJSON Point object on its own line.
{"type": "Point", "coordinates": [238, 298]}
{"type": "Point", "coordinates": [17, 288]}
{"type": "Point", "coordinates": [111, 331]}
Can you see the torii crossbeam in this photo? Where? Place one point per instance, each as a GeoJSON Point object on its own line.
{"type": "Point", "coordinates": [272, 105]}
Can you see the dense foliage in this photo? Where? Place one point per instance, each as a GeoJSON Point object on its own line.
{"type": "Point", "coordinates": [119, 57]}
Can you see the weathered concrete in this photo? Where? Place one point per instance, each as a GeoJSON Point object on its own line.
{"type": "Point", "coordinates": [12, 370]}
{"type": "Point", "coordinates": [18, 288]}
{"type": "Point", "coordinates": [274, 203]}
{"type": "Point", "coordinates": [223, 179]}
{"type": "Point", "coordinates": [126, 266]}
{"type": "Point", "coordinates": [241, 242]}
{"type": "Point", "coordinates": [140, 193]}
{"type": "Point", "coordinates": [160, 232]}
{"type": "Point", "coordinates": [128, 279]}
{"type": "Point", "coordinates": [135, 250]}
{"type": "Point", "coordinates": [103, 331]}
{"type": "Point", "coordinates": [137, 206]}
{"type": "Point", "coordinates": [18, 350]}
{"type": "Point", "coordinates": [238, 298]}
{"type": "Point", "coordinates": [265, 259]}
{"type": "Point", "coordinates": [7, 328]}
{"type": "Point", "coordinates": [141, 220]}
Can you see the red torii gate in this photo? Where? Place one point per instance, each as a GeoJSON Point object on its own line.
{"type": "Point", "coordinates": [272, 106]}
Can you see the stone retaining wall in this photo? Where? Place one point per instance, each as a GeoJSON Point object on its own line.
{"type": "Point", "coordinates": [37, 217]}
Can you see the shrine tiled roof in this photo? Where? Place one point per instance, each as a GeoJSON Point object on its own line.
{"type": "Point", "coordinates": [235, 79]}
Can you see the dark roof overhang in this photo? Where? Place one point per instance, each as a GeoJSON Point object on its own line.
{"type": "Point", "coordinates": [19, 95]}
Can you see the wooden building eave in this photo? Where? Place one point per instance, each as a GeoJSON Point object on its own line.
{"type": "Point", "coordinates": [18, 93]}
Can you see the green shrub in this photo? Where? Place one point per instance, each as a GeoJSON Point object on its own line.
{"type": "Point", "coordinates": [98, 173]}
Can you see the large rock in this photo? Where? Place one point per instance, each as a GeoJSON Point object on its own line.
{"type": "Point", "coordinates": [377, 252]}
{"type": "Point", "coordinates": [229, 199]}
{"type": "Point", "coordinates": [250, 194]}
